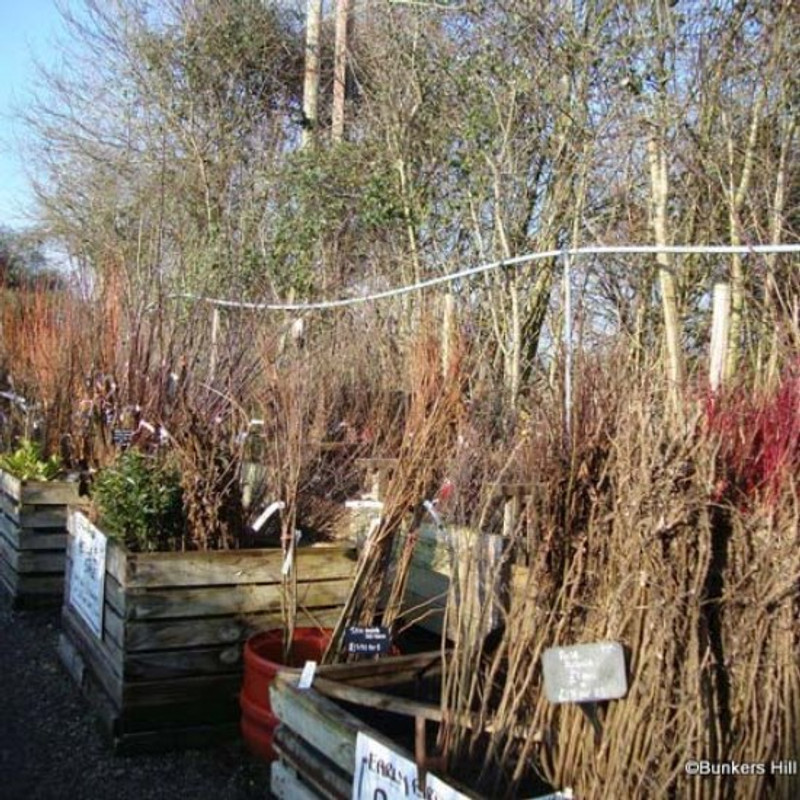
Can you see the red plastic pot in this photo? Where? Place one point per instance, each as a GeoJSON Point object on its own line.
{"type": "Point", "coordinates": [263, 659]}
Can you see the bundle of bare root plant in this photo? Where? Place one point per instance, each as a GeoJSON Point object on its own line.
{"type": "Point", "coordinates": [430, 434]}
{"type": "Point", "coordinates": [206, 425]}
{"type": "Point", "coordinates": [759, 642]}
{"type": "Point", "coordinates": [45, 353]}
{"type": "Point", "coordinates": [324, 406]}
{"type": "Point", "coordinates": [625, 538]}
{"type": "Point", "coordinates": [757, 513]}
{"type": "Point", "coordinates": [616, 546]}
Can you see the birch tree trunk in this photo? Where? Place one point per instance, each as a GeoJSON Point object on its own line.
{"type": "Point", "coordinates": [311, 81]}
{"type": "Point", "coordinates": [340, 70]}
{"type": "Point", "coordinates": [736, 197]}
{"type": "Point", "coordinates": [659, 193]}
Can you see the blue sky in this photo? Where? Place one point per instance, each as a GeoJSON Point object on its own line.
{"type": "Point", "coordinates": [27, 30]}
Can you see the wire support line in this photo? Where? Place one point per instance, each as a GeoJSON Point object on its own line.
{"type": "Point", "coordinates": [527, 258]}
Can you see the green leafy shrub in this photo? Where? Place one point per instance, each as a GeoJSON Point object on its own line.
{"type": "Point", "coordinates": [139, 501]}
{"type": "Point", "coordinates": [28, 463]}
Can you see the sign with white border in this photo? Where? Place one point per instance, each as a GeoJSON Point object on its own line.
{"type": "Point", "coordinates": [87, 577]}
{"type": "Point", "coordinates": [585, 673]}
{"type": "Point", "coordinates": [383, 774]}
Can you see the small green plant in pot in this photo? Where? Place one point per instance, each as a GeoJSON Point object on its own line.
{"type": "Point", "coordinates": [139, 501]}
{"type": "Point", "coordinates": [27, 463]}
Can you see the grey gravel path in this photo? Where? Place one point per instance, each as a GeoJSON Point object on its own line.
{"type": "Point", "coordinates": [51, 749]}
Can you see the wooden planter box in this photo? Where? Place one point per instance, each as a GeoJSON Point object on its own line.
{"type": "Point", "coordinates": [33, 537]}
{"type": "Point", "coordinates": [317, 739]}
{"type": "Point", "coordinates": [359, 721]}
{"type": "Point", "coordinates": [159, 653]}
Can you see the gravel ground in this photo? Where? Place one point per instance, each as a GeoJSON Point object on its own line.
{"type": "Point", "coordinates": [51, 748]}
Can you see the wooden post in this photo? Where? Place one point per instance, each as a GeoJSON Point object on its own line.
{"type": "Point", "coordinates": [567, 349]}
{"type": "Point", "coordinates": [720, 326]}
{"type": "Point", "coordinates": [214, 342]}
{"type": "Point", "coordinates": [448, 313]}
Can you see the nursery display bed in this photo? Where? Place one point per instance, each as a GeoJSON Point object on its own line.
{"type": "Point", "coordinates": [155, 639]}
{"type": "Point", "coordinates": [33, 536]}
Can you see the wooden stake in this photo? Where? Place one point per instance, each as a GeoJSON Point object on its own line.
{"type": "Point", "coordinates": [719, 334]}
{"type": "Point", "coordinates": [214, 342]}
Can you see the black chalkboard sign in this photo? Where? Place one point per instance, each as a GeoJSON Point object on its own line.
{"type": "Point", "coordinates": [122, 437]}
{"type": "Point", "coordinates": [584, 673]}
{"type": "Point", "coordinates": [370, 641]}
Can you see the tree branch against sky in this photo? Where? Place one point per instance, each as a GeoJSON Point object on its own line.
{"type": "Point", "coordinates": [169, 146]}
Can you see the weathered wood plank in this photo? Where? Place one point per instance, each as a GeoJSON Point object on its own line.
{"type": "Point", "coordinates": [172, 692]}
{"type": "Point", "coordinates": [318, 721]}
{"type": "Point", "coordinates": [319, 778]}
{"type": "Point", "coordinates": [323, 724]}
{"type": "Point", "coordinates": [9, 508]}
{"type": "Point", "coordinates": [9, 530]}
{"type": "Point", "coordinates": [32, 561]}
{"type": "Point", "coordinates": [104, 668]}
{"type": "Point", "coordinates": [233, 567]}
{"type": "Point", "coordinates": [114, 596]}
{"type": "Point", "coordinates": [9, 485]}
{"type": "Point", "coordinates": [50, 493]}
{"type": "Point", "coordinates": [116, 562]}
{"type": "Point", "coordinates": [42, 493]}
{"type": "Point", "coordinates": [207, 709]}
{"type": "Point", "coordinates": [38, 588]}
{"type": "Point", "coordinates": [418, 663]}
{"type": "Point", "coordinates": [377, 700]}
{"type": "Point", "coordinates": [286, 785]}
{"type": "Point", "coordinates": [32, 539]}
{"type": "Point", "coordinates": [244, 599]}
{"type": "Point", "coordinates": [9, 577]}
{"type": "Point", "coordinates": [164, 664]}
{"type": "Point", "coordinates": [385, 672]}
{"type": "Point", "coordinates": [159, 634]}
{"type": "Point", "coordinates": [8, 553]}
{"type": "Point", "coordinates": [137, 730]}
{"type": "Point", "coordinates": [113, 626]}
{"type": "Point", "coordinates": [43, 517]}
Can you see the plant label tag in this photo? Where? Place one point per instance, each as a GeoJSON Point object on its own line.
{"type": "Point", "coordinates": [267, 513]}
{"type": "Point", "coordinates": [121, 437]}
{"type": "Point", "coordinates": [584, 673]}
{"type": "Point", "coordinates": [307, 675]}
{"type": "Point", "coordinates": [381, 773]}
{"type": "Point", "coordinates": [371, 641]}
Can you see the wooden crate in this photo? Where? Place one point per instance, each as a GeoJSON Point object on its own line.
{"type": "Point", "coordinates": [316, 739]}
{"type": "Point", "coordinates": [33, 536]}
{"type": "Point", "coordinates": [319, 728]}
{"type": "Point", "coordinates": [166, 669]}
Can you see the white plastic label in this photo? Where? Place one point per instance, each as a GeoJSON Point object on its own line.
{"type": "Point", "coordinates": [307, 675]}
